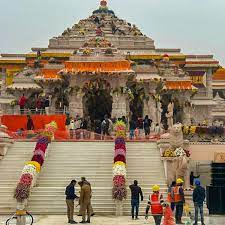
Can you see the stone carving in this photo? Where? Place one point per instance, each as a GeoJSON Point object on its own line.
{"type": "Point", "coordinates": [169, 115]}
{"type": "Point", "coordinates": [176, 136]}
{"type": "Point", "coordinates": [219, 157]}
{"type": "Point", "coordinates": [176, 166]}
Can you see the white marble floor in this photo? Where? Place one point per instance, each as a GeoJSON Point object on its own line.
{"type": "Point", "coordinates": [98, 220]}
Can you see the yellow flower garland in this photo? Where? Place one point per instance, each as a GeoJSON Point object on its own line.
{"type": "Point", "coordinates": [36, 164]}
{"type": "Point", "coordinates": [119, 163]}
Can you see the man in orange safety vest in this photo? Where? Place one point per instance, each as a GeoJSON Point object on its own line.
{"type": "Point", "coordinates": [155, 203]}
{"type": "Point", "coordinates": [179, 200]}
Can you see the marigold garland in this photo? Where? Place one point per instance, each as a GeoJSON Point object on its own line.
{"type": "Point", "coordinates": [36, 164]}
{"type": "Point", "coordinates": [33, 167]}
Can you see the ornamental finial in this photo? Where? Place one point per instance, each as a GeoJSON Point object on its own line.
{"type": "Point", "coordinates": [103, 3]}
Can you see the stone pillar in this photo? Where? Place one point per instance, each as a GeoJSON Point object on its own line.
{"type": "Point", "coordinates": [119, 106]}
{"type": "Point", "coordinates": [76, 105]}
{"type": "Point", "coordinates": [150, 109]}
{"type": "Point", "coordinates": [21, 220]}
{"type": "Point", "coordinates": [119, 208]}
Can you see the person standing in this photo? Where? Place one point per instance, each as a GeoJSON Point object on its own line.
{"type": "Point", "coordinates": [105, 126]}
{"type": "Point", "coordinates": [147, 126]}
{"type": "Point", "coordinates": [85, 201]}
{"type": "Point", "coordinates": [179, 200]}
{"type": "Point", "coordinates": [30, 123]}
{"type": "Point", "coordinates": [70, 197]}
{"type": "Point", "coordinates": [39, 105]}
{"type": "Point", "coordinates": [67, 122]}
{"type": "Point", "coordinates": [83, 179]}
{"type": "Point", "coordinates": [192, 178]}
{"type": "Point", "coordinates": [198, 199]}
{"type": "Point", "coordinates": [22, 103]}
{"type": "Point", "coordinates": [136, 193]}
{"type": "Point", "coordinates": [140, 126]}
{"type": "Point", "coordinates": [171, 195]}
{"type": "Point", "coordinates": [47, 105]}
{"type": "Point", "coordinates": [155, 202]}
{"type": "Point", "coordinates": [132, 128]}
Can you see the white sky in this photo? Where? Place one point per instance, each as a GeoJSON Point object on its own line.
{"type": "Point", "coordinates": [195, 26]}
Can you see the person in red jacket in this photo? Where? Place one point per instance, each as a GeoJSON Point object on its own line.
{"type": "Point", "coordinates": [22, 103]}
{"type": "Point", "coordinates": [155, 203]}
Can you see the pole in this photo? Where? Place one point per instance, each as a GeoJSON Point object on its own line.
{"type": "Point", "coordinates": [21, 220]}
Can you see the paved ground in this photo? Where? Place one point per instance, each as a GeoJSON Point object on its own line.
{"type": "Point", "coordinates": [61, 220]}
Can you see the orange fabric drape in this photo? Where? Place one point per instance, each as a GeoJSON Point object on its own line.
{"type": "Point", "coordinates": [50, 73]}
{"type": "Point", "coordinates": [98, 66]}
{"type": "Point", "coordinates": [179, 85]}
{"type": "Point", "coordinates": [15, 122]}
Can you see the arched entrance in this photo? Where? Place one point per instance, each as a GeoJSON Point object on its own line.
{"type": "Point", "coordinates": [97, 101]}
{"type": "Point", "coordinates": [136, 103]}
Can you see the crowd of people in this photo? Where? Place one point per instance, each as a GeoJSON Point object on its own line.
{"type": "Point", "coordinates": [137, 128]}
{"type": "Point", "coordinates": [170, 207]}
{"type": "Point", "coordinates": [37, 105]}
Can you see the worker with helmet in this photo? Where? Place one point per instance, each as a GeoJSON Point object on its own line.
{"type": "Point", "coordinates": [198, 199]}
{"type": "Point", "coordinates": [155, 203]}
{"type": "Point", "coordinates": [179, 200]}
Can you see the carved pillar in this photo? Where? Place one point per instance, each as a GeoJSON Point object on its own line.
{"type": "Point", "coordinates": [119, 106]}
{"type": "Point", "coordinates": [76, 105]}
{"type": "Point", "coordinates": [150, 110]}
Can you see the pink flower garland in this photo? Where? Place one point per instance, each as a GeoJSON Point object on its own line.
{"type": "Point", "coordinates": [26, 179]}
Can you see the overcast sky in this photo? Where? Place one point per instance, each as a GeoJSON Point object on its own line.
{"type": "Point", "coordinates": [195, 26]}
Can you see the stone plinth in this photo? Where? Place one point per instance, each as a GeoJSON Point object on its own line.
{"type": "Point", "coordinates": [5, 141]}
{"type": "Point", "coordinates": [172, 170]}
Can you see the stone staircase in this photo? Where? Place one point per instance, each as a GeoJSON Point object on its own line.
{"type": "Point", "coordinates": [71, 160]}
{"type": "Point", "coordinates": [10, 169]}
{"type": "Point", "coordinates": [144, 164]}
{"type": "Point", "coordinates": [68, 160]}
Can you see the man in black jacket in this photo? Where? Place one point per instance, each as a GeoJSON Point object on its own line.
{"type": "Point", "coordinates": [70, 196]}
{"type": "Point", "coordinates": [198, 199]}
{"type": "Point", "coordinates": [136, 192]}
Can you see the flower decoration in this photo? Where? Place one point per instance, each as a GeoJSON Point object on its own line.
{"type": "Point", "coordinates": [169, 153]}
{"type": "Point", "coordinates": [119, 168]}
{"type": "Point", "coordinates": [39, 159]}
{"type": "Point", "coordinates": [179, 152]}
{"type": "Point", "coordinates": [22, 192]}
{"type": "Point", "coordinates": [87, 51]}
{"type": "Point", "coordinates": [26, 179]}
{"type": "Point", "coordinates": [119, 180]}
{"type": "Point", "coordinates": [119, 192]}
{"type": "Point", "coordinates": [36, 164]}
{"type": "Point", "coordinates": [33, 167]}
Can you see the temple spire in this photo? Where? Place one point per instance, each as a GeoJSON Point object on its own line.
{"type": "Point", "coordinates": [103, 3]}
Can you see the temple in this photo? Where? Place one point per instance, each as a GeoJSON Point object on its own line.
{"type": "Point", "coordinates": [105, 65]}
